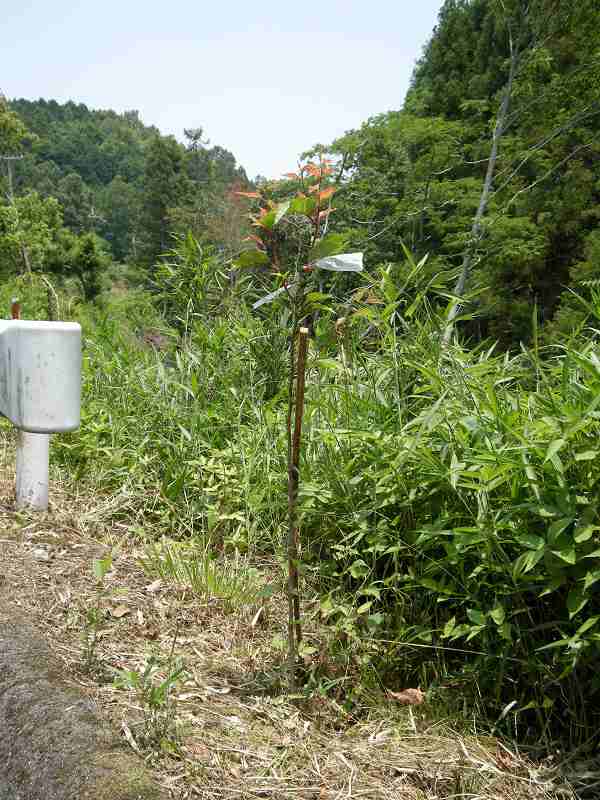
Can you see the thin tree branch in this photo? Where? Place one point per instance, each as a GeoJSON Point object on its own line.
{"type": "Point", "coordinates": [476, 229]}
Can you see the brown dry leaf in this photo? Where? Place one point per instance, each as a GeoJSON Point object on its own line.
{"type": "Point", "coordinates": [119, 611]}
{"type": "Point", "coordinates": [408, 697]}
{"type": "Point", "coordinates": [505, 760]}
{"type": "Point", "coordinates": [198, 750]}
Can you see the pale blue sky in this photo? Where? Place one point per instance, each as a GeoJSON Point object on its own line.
{"type": "Point", "coordinates": [264, 79]}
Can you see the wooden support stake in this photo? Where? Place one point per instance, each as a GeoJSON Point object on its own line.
{"type": "Point", "coordinates": [294, 623]}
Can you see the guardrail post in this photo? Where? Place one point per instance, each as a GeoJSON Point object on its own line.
{"type": "Point", "coordinates": [33, 459]}
{"type": "Point", "coordinates": [40, 385]}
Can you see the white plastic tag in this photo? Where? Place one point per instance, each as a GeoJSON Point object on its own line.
{"type": "Point", "coordinates": [345, 262]}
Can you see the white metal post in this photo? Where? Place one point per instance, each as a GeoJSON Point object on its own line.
{"type": "Point", "coordinates": [32, 470]}
{"type": "Point", "coordinates": [40, 386]}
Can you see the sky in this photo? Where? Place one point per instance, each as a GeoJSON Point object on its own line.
{"type": "Point", "coordinates": [264, 79]}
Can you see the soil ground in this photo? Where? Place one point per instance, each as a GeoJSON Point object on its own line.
{"type": "Point", "coordinates": [237, 734]}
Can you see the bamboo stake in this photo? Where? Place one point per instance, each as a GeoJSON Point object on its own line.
{"type": "Point", "coordinates": [290, 461]}
{"type": "Point", "coordinates": [294, 623]}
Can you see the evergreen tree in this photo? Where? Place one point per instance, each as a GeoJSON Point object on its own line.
{"type": "Point", "coordinates": [165, 186]}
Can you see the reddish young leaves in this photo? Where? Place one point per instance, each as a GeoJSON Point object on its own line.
{"type": "Point", "coordinates": [312, 169]}
{"type": "Point", "coordinates": [326, 193]}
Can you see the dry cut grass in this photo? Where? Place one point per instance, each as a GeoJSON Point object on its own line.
{"type": "Point", "coordinates": [238, 735]}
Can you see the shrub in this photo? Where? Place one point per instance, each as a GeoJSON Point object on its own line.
{"type": "Point", "coordinates": [449, 504]}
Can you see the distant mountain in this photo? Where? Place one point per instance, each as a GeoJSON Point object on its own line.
{"type": "Point", "coordinates": [102, 165]}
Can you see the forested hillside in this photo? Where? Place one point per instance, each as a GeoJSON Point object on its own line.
{"type": "Point", "coordinates": [441, 522]}
{"type": "Point", "coordinates": [413, 176]}
{"type": "Point", "coordinates": [119, 179]}
{"type": "Point", "coordinates": [418, 174]}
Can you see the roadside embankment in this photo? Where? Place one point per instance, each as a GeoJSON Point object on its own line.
{"type": "Point", "coordinates": [54, 746]}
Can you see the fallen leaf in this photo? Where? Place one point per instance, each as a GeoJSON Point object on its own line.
{"type": "Point", "coordinates": [119, 611]}
{"type": "Point", "coordinates": [198, 751]}
{"type": "Point", "coordinates": [408, 697]}
{"type": "Point", "coordinates": [505, 759]}
{"type": "Point", "coordinates": [154, 586]}
{"type": "Point", "coordinates": [139, 617]}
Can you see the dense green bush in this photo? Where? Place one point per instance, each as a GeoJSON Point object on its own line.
{"type": "Point", "coordinates": [449, 498]}
{"type": "Point", "coordinates": [473, 524]}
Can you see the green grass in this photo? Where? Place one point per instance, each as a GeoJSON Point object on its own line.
{"type": "Point", "coordinates": [231, 581]}
{"type": "Point", "coordinates": [449, 501]}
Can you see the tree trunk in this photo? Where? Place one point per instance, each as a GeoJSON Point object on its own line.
{"type": "Point", "coordinates": [476, 229]}
{"type": "Point", "coordinates": [11, 200]}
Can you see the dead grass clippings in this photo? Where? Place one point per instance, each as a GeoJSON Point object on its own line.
{"type": "Point", "coordinates": [239, 736]}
